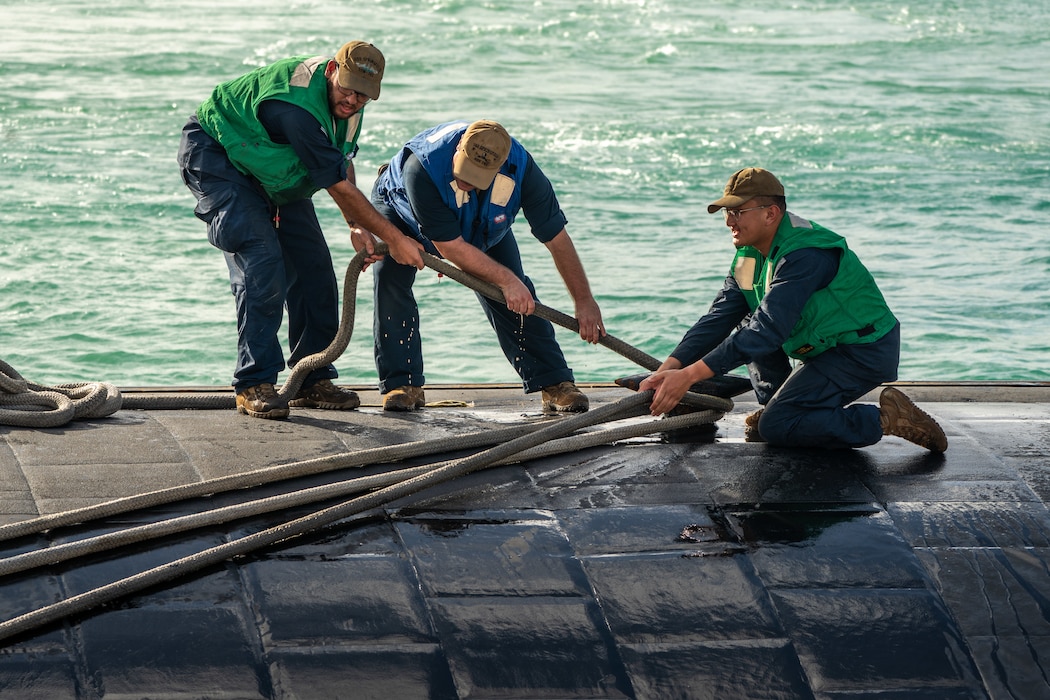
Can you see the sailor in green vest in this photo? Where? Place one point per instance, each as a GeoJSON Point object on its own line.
{"type": "Point", "coordinates": [796, 292]}
{"type": "Point", "coordinates": [253, 155]}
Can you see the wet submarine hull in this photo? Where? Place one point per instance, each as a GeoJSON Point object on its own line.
{"type": "Point", "coordinates": [665, 566]}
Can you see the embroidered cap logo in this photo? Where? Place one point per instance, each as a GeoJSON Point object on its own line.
{"type": "Point", "coordinates": [484, 156]}
{"type": "Point", "coordinates": [367, 67]}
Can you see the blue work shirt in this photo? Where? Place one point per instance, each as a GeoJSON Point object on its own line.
{"type": "Point", "coordinates": [712, 338]}
{"type": "Point", "coordinates": [293, 125]}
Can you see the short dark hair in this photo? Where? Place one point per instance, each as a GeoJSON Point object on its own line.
{"type": "Point", "coordinates": [775, 200]}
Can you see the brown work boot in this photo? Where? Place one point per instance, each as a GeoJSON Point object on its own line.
{"type": "Point", "coordinates": [324, 394]}
{"type": "Point", "coordinates": [564, 397]}
{"type": "Point", "coordinates": [900, 417]}
{"type": "Point", "coordinates": [404, 398]}
{"type": "Point", "coordinates": [751, 433]}
{"type": "Point", "coordinates": [261, 401]}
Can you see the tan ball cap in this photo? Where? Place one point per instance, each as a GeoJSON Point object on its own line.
{"type": "Point", "coordinates": [482, 151]}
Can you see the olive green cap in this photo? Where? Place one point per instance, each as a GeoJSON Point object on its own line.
{"type": "Point", "coordinates": [361, 68]}
{"type": "Point", "coordinates": [744, 185]}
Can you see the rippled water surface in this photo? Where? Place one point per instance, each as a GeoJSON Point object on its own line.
{"type": "Point", "coordinates": [919, 131]}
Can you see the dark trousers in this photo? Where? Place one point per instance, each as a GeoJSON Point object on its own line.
{"type": "Point", "coordinates": [813, 406]}
{"type": "Point", "coordinates": [527, 342]}
{"type": "Point", "coordinates": [271, 265]}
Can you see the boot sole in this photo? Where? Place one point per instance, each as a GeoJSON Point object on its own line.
{"type": "Point", "coordinates": [402, 402]}
{"type": "Point", "coordinates": [307, 403]}
{"type": "Point", "coordinates": [402, 409]}
{"type": "Point", "coordinates": [272, 414]}
{"type": "Point", "coordinates": [554, 408]}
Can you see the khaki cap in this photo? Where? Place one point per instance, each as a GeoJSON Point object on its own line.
{"type": "Point", "coordinates": [482, 151]}
{"type": "Point", "coordinates": [744, 185]}
{"type": "Point", "coordinates": [361, 68]}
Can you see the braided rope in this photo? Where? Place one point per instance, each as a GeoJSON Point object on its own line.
{"type": "Point", "coordinates": [80, 400]}
{"type": "Point", "coordinates": [133, 535]}
{"type": "Point", "coordinates": [30, 405]}
{"type": "Point", "coordinates": [636, 404]}
{"type": "Point", "coordinates": [346, 328]}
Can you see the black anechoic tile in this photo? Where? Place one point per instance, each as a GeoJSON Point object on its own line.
{"type": "Point", "coordinates": [994, 592]}
{"type": "Point", "coordinates": [496, 487]}
{"type": "Point", "coordinates": [648, 463]}
{"type": "Point", "coordinates": [349, 600]}
{"type": "Point", "coordinates": [649, 599]}
{"type": "Point", "coordinates": [904, 489]}
{"type": "Point", "coordinates": [492, 553]}
{"type": "Point", "coordinates": [37, 677]}
{"type": "Point", "coordinates": [528, 647]}
{"type": "Point", "coordinates": [736, 473]}
{"type": "Point", "coordinates": [10, 470]}
{"type": "Point", "coordinates": [625, 494]}
{"type": "Point", "coordinates": [186, 584]}
{"type": "Point", "coordinates": [1013, 666]}
{"type": "Point", "coordinates": [24, 593]}
{"type": "Point", "coordinates": [128, 439]}
{"type": "Point", "coordinates": [966, 472]}
{"type": "Point", "coordinates": [965, 459]}
{"type": "Point", "coordinates": [363, 534]}
{"type": "Point", "coordinates": [935, 693]}
{"type": "Point", "coordinates": [754, 670]}
{"type": "Point", "coordinates": [176, 651]}
{"type": "Point", "coordinates": [849, 547]}
{"type": "Point", "coordinates": [973, 524]}
{"type": "Point", "coordinates": [1036, 476]}
{"type": "Point", "coordinates": [874, 639]}
{"type": "Point", "coordinates": [633, 528]}
{"type": "Point", "coordinates": [1011, 428]}
{"type": "Point", "coordinates": [630, 474]}
{"type": "Point", "coordinates": [781, 475]}
{"type": "Point", "coordinates": [16, 507]}
{"type": "Point", "coordinates": [404, 672]}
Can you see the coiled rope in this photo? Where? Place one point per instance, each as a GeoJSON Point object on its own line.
{"type": "Point", "coordinates": [25, 404]}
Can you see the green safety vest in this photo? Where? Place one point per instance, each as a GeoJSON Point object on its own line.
{"type": "Point", "coordinates": [850, 310]}
{"type": "Point", "coordinates": [229, 116]}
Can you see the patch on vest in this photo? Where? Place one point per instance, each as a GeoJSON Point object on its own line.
{"type": "Point", "coordinates": [304, 72]}
{"type": "Point", "coordinates": [502, 189]}
{"type": "Point", "coordinates": [744, 273]}
{"type": "Point", "coordinates": [352, 125]}
{"type": "Point", "coordinates": [461, 196]}
{"type": "Point", "coordinates": [804, 350]}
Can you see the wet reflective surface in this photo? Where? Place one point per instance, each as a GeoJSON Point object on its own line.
{"type": "Point", "coordinates": [650, 569]}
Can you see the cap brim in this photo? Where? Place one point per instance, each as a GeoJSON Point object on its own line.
{"type": "Point", "coordinates": [729, 202]}
{"type": "Point", "coordinates": [368, 88]}
{"type": "Point", "coordinates": [464, 169]}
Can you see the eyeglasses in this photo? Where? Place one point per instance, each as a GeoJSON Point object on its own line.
{"type": "Point", "coordinates": [735, 213]}
{"type": "Point", "coordinates": [359, 97]}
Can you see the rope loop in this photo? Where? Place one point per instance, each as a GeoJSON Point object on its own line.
{"type": "Point", "coordinates": [28, 405]}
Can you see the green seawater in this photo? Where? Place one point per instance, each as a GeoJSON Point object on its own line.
{"type": "Point", "coordinates": [919, 131]}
